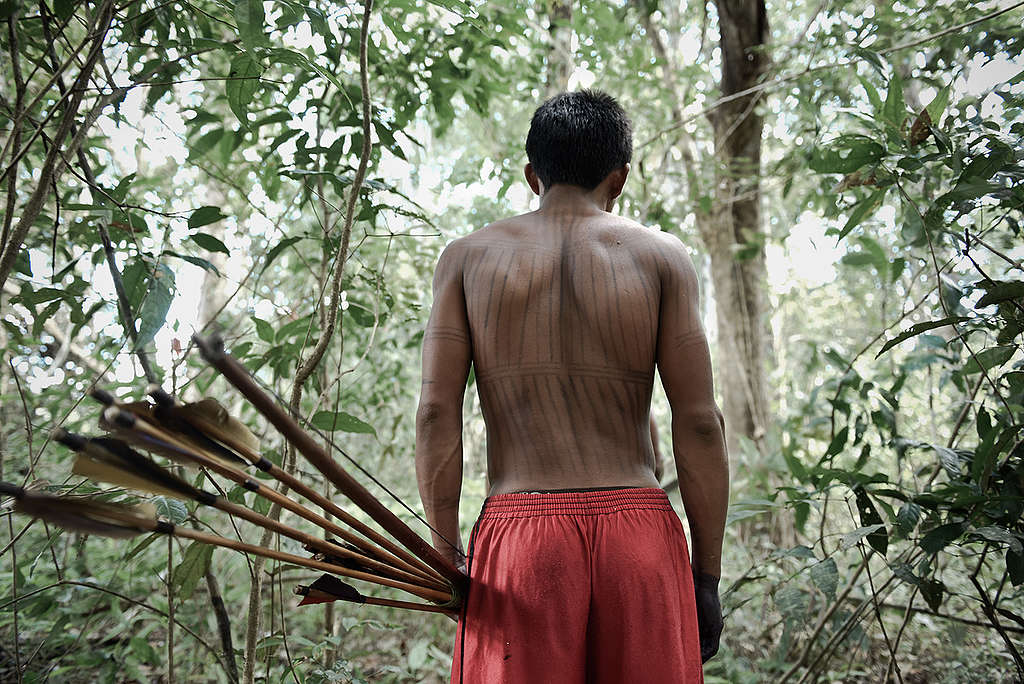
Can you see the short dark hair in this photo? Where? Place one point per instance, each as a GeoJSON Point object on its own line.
{"type": "Point", "coordinates": [579, 138]}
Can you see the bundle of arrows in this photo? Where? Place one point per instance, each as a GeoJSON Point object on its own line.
{"type": "Point", "coordinates": [203, 435]}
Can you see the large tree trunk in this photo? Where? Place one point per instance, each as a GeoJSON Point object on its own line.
{"type": "Point", "coordinates": [560, 62]}
{"type": "Point", "coordinates": [733, 234]}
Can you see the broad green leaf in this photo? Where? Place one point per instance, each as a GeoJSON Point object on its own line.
{"type": "Point", "coordinates": [861, 210]}
{"type": "Point", "coordinates": [989, 358]}
{"type": "Point", "coordinates": [825, 576]}
{"type": "Point", "coordinates": [264, 330]}
{"type": "Point", "coordinates": [937, 106]}
{"type": "Point", "coordinates": [873, 96]}
{"type": "Point", "coordinates": [792, 601]}
{"type": "Point", "coordinates": [204, 216]}
{"type": "Point", "coordinates": [1015, 566]}
{"type": "Point", "coordinates": [46, 314]}
{"type": "Point", "coordinates": [171, 509]}
{"type": "Point", "coordinates": [838, 442]}
{"type": "Point", "coordinates": [277, 249]}
{"type": "Point", "coordinates": [418, 655]}
{"type": "Point", "coordinates": [851, 538]}
{"type": "Point", "coordinates": [846, 154]}
{"type": "Point", "coordinates": [907, 517]}
{"type": "Point", "coordinates": [1000, 535]}
{"type": "Point", "coordinates": [193, 566]}
{"type": "Point", "coordinates": [895, 105]}
{"type": "Point", "coordinates": [339, 420]}
{"type": "Point", "coordinates": [197, 261]}
{"type": "Point", "coordinates": [917, 329]}
{"type": "Point", "coordinates": [142, 546]}
{"type": "Point", "coordinates": [209, 243]}
{"type": "Point", "coordinates": [1001, 292]}
{"type": "Point", "coordinates": [250, 19]}
{"type": "Point", "coordinates": [932, 591]}
{"type": "Point", "coordinates": [206, 142]}
{"type": "Point", "coordinates": [154, 309]}
{"type": "Point", "coordinates": [243, 82]}
{"type": "Point", "coordinates": [879, 538]}
{"type": "Point", "coordinates": [940, 537]}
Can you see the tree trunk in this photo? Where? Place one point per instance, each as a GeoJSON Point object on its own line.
{"type": "Point", "coordinates": [733, 234]}
{"type": "Point", "coordinates": [560, 60]}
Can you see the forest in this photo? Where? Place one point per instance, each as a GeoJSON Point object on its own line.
{"type": "Point", "coordinates": [847, 175]}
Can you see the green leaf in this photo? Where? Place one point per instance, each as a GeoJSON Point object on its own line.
{"type": "Point", "coordinates": [861, 210]}
{"type": "Point", "coordinates": [879, 538]}
{"type": "Point", "coordinates": [937, 106]}
{"type": "Point", "coordinates": [932, 591]}
{"type": "Point", "coordinates": [418, 655]}
{"type": "Point", "coordinates": [851, 538]}
{"type": "Point", "coordinates": [1015, 566]}
{"type": "Point", "coordinates": [940, 537]}
{"type": "Point", "coordinates": [838, 442]}
{"type": "Point", "coordinates": [250, 19]}
{"type": "Point", "coordinates": [204, 216]}
{"type": "Point", "coordinates": [197, 261]}
{"type": "Point", "coordinates": [171, 509]}
{"type": "Point", "coordinates": [46, 314]}
{"type": "Point", "coordinates": [988, 358]}
{"type": "Point", "coordinates": [917, 329]}
{"type": "Point", "coordinates": [142, 546]}
{"type": "Point", "coordinates": [243, 82]}
{"type": "Point", "coordinates": [1000, 535]}
{"type": "Point", "coordinates": [985, 166]}
{"type": "Point", "coordinates": [895, 105]}
{"type": "Point", "coordinates": [206, 142]}
{"type": "Point", "coordinates": [825, 576]}
{"type": "Point", "coordinates": [907, 518]}
{"type": "Point", "coordinates": [846, 154]}
{"type": "Point", "coordinates": [873, 96]}
{"type": "Point", "coordinates": [1001, 292]}
{"type": "Point", "coordinates": [792, 601]}
{"type": "Point", "coordinates": [277, 249]}
{"type": "Point", "coordinates": [193, 566]}
{"type": "Point", "coordinates": [264, 330]}
{"type": "Point", "coordinates": [209, 243]}
{"type": "Point", "coordinates": [156, 305]}
{"type": "Point", "coordinates": [339, 420]}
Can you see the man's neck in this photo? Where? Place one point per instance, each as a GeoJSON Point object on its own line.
{"type": "Point", "coordinates": [563, 198]}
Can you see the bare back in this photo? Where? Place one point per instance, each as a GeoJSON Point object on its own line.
{"type": "Point", "coordinates": [562, 312]}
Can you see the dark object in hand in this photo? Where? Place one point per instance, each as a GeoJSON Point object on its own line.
{"type": "Point", "coordinates": [709, 614]}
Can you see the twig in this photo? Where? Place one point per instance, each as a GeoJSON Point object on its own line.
{"type": "Point", "coordinates": [947, 616]}
{"type": "Point", "coordinates": [48, 170]}
{"type": "Point", "coordinates": [124, 306]}
{"type": "Point", "coordinates": [223, 624]}
{"type": "Point", "coordinates": [825, 617]}
{"type": "Point", "coordinates": [19, 97]}
{"type": "Point", "coordinates": [170, 610]}
{"type": "Point", "coordinates": [14, 595]}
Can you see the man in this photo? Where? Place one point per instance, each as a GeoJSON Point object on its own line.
{"type": "Point", "coordinates": [578, 565]}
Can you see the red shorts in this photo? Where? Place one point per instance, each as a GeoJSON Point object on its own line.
{"type": "Point", "coordinates": [578, 587]}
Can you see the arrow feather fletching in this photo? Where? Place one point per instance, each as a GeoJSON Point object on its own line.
{"type": "Point", "coordinates": [86, 516]}
{"type": "Point", "coordinates": [209, 416]}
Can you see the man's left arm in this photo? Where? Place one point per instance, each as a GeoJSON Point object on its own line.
{"type": "Point", "coordinates": [447, 354]}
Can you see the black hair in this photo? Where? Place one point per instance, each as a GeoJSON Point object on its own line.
{"type": "Point", "coordinates": [579, 138]}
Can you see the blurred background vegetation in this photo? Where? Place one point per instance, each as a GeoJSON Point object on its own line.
{"type": "Point", "coordinates": [848, 174]}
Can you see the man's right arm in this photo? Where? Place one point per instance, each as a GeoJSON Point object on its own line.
{"type": "Point", "coordinates": [698, 431]}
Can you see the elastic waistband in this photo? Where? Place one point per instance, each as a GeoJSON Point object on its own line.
{"type": "Point", "coordinates": [598, 502]}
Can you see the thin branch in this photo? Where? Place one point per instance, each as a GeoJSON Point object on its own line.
{"type": "Point", "coordinates": [49, 169]}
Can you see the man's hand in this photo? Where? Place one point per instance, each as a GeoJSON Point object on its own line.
{"type": "Point", "coordinates": [709, 614]}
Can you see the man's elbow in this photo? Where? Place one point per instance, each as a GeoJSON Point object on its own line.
{"type": "Point", "coordinates": [706, 422]}
{"type": "Point", "coordinates": [431, 413]}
